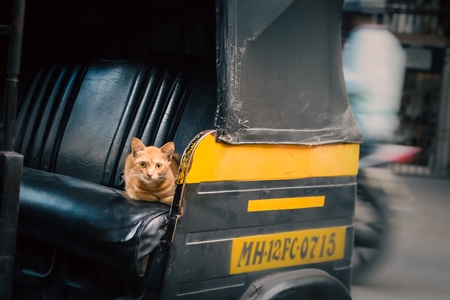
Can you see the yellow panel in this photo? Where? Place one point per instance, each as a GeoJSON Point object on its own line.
{"type": "Point", "coordinates": [287, 249]}
{"type": "Point", "coordinates": [214, 161]}
{"type": "Point", "coordinates": [285, 203]}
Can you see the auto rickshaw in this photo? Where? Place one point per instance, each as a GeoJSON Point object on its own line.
{"type": "Point", "coordinates": [251, 92]}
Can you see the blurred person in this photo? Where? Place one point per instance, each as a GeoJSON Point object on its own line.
{"type": "Point", "coordinates": [374, 69]}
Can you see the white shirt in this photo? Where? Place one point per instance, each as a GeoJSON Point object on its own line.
{"type": "Point", "coordinates": [374, 67]}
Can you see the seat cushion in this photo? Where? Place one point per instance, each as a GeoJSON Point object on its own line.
{"type": "Point", "coordinates": [94, 221]}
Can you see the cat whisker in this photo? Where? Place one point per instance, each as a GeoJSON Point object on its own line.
{"type": "Point", "coordinates": [149, 173]}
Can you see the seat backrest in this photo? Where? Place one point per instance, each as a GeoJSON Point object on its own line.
{"type": "Point", "coordinates": [78, 118]}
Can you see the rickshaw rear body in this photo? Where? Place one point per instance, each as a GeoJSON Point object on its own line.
{"type": "Point", "coordinates": [263, 216]}
{"type": "Point", "coordinates": [266, 186]}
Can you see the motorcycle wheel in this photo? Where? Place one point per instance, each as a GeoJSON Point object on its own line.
{"type": "Point", "coordinates": [371, 233]}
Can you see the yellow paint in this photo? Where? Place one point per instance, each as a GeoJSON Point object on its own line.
{"type": "Point", "coordinates": [285, 203]}
{"type": "Point", "coordinates": [184, 164]}
{"type": "Point", "coordinates": [270, 251]}
{"type": "Point", "coordinates": [212, 161]}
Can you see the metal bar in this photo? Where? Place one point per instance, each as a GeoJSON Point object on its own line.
{"type": "Point", "coordinates": [11, 163]}
{"type": "Point", "coordinates": [10, 177]}
{"type": "Point", "coordinates": [15, 44]}
{"type": "Point", "coordinates": [13, 70]}
{"type": "Point", "coordinates": [11, 90]}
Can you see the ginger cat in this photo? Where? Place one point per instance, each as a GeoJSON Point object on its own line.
{"type": "Point", "coordinates": [150, 172]}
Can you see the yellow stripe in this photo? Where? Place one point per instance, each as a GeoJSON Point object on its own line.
{"type": "Point", "coordinates": [285, 203]}
{"type": "Point", "coordinates": [213, 162]}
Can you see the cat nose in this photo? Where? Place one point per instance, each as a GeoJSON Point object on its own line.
{"type": "Point", "coordinates": [149, 175]}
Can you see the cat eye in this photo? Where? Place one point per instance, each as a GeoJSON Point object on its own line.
{"type": "Point", "coordinates": [158, 166]}
{"type": "Point", "coordinates": [142, 164]}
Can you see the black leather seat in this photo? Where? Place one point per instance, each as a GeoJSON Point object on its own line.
{"type": "Point", "coordinates": [74, 127]}
{"type": "Point", "coordinates": [93, 221]}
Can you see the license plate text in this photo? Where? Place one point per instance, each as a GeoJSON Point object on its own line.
{"type": "Point", "coordinates": [261, 252]}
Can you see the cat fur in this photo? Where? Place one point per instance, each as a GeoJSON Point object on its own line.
{"type": "Point", "coordinates": [143, 180]}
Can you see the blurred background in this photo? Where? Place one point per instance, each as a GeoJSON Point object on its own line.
{"type": "Point", "coordinates": [423, 29]}
{"type": "Point", "coordinates": [415, 263]}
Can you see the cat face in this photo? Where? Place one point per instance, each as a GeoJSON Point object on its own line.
{"type": "Point", "coordinates": [151, 164]}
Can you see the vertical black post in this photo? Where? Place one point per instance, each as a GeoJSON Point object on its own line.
{"type": "Point", "coordinates": [10, 162]}
{"type": "Point", "coordinates": [13, 69]}
{"type": "Point", "coordinates": [10, 177]}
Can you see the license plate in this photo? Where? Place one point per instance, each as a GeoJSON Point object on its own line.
{"type": "Point", "coordinates": [286, 249]}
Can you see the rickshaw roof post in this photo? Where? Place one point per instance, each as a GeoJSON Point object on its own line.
{"type": "Point", "coordinates": [280, 77]}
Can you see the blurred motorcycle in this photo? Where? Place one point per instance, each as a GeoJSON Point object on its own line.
{"type": "Point", "coordinates": [371, 213]}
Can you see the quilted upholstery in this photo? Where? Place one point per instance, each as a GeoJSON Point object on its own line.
{"type": "Point", "coordinates": [74, 127]}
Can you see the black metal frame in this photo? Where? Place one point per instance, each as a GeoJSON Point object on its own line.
{"type": "Point", "coordinates": [10, 162]}
{"type": "Point", "coordinates": [15, 30]}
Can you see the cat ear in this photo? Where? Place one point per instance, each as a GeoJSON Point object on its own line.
{"type": "Point", "coordinates": [136, 145]}
{"type": "Point", "coordinates": [168, 149]}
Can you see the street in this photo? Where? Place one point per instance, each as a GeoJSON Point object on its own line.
{"type": "Point", "coordinates": [417, 264]}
